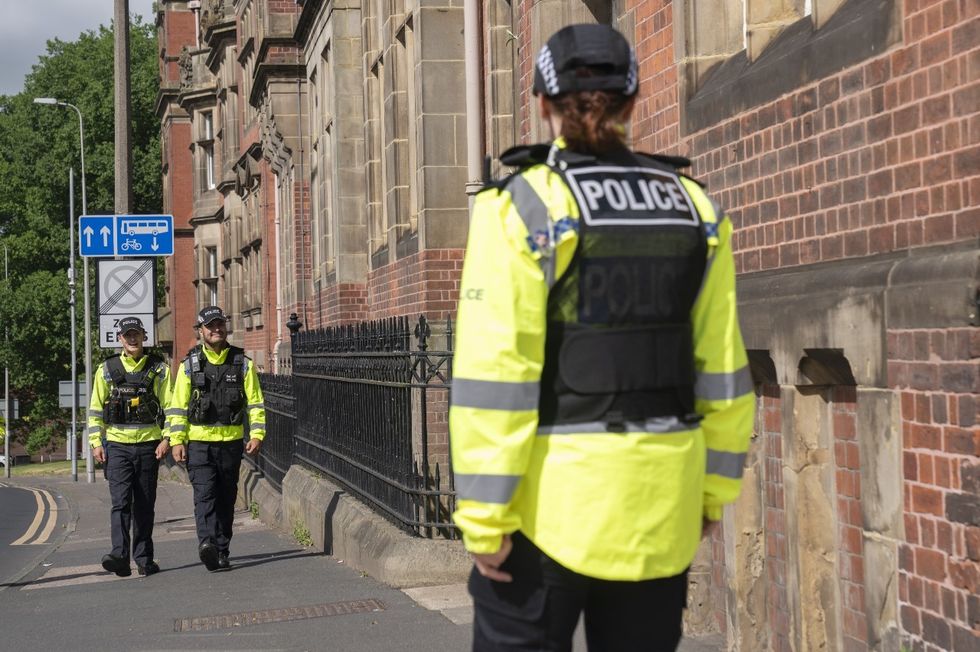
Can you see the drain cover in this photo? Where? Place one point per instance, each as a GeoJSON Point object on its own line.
{"type": "Point", "coordinates": [245, 618]}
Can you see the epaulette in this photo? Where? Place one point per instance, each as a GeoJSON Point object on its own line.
{"type": "Point", "coordinates": [676, 162]}
{"type": "Point", "coordinates": [522, 156]}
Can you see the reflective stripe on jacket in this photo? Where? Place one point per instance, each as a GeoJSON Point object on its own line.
{"type": "Point", "coordinates": [123, 433]}
{"type": "Point", "coordinates": [181, 431]}
{"type": "Point", "coordinates": [621, 506]}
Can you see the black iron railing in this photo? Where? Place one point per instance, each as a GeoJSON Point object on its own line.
{"type": "Point", "coordinates": [370, 412]}
{"type": "Point", "coordinates": [276, 454]}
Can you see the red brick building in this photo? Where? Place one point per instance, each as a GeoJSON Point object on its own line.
{"type": "Point", "coordinates": [842, 137]}
{"type": "Point", "coordinates": [317, 159]}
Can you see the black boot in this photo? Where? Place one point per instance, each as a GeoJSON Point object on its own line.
{"type": "Point", "coordinates": [208, 553]}
{"type": "Point", "coordinates": [117, 565]}
{"type": "Point", "coordinates": [149, 568]}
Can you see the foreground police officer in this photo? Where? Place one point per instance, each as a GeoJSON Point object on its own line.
{"type": "Point", "coordinates": [216, 388]}
{"type": "Point", "coordinates": [124, 429]}
{"type": "Point", "coordinates": [602, 404]}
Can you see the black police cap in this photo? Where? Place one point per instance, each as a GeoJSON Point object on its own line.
{"type": "Point", "coordinates": [209, 314]}
{"type": "Point", "coordinates": [127, 324]}
{"type": "Point", "coordinates": [600, 48]}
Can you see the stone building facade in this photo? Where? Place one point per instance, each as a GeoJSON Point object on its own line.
{"type": "Point", "coordinates": [317, 159]}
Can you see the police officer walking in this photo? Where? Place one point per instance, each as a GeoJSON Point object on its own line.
{"type": "Point", "coordinates": [125, 433]}
{"type": "Point", "coordinates": [602, 404]}
{"type": "Point", "coordinates": [216, 393]}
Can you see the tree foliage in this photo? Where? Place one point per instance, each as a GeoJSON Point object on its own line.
{"type": "Point", "coordinates": [38, 144]}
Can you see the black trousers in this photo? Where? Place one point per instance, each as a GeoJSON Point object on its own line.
{"type": "Point", "coordinates": [132, 471]}
{"type": "Point", "coordinates": [540, 609]}
{"type": "Point", "coordinates": [213, 469]}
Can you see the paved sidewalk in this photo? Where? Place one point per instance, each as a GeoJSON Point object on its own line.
{"type": "Point", "coordinates": [278, 596]}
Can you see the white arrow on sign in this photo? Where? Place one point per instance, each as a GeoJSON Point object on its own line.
{"type": "Point", "coordinates": [106, 232]}
{"type": "Point", "coordinates": [153, 245]}
{"type": "Point", "coordinates": [88, 236]}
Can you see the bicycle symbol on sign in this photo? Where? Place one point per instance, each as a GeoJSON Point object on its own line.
{"type": "Point", "coordinates": [131, 244]}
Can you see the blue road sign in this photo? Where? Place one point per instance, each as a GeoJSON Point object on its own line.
{"type": "Point", "coordinates": [97, 235]}
{"type": "Point", "coordinates": [126, 235]}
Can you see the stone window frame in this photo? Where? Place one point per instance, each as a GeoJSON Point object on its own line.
{"type": "Point", "coordinates": [406, 221]}
{"type": "Point", "coordinates": [377, 207]}
{"type": "Point", "coordinates": [732, 61]}
{"type": "Point", "coordinates": [323, 109]}
{"type": "Point", "coordinates": [284, 185]}
{"type": "Point", "coordinates": [209, 178]}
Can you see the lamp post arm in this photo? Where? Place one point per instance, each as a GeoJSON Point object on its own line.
{"type": "Point", "coordinates": [81, 147]}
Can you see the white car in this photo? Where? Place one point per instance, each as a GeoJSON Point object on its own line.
{"type": "Point", "coordinates": [3, 460]}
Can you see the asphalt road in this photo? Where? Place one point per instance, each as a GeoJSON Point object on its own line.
{"type": "Point", "coordinates": [32, 523]}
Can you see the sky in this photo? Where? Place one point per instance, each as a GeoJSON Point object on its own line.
{"type": "Point", "coordinates": [26, 26]}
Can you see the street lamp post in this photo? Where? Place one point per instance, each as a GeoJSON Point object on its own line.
{"type": "Point", "coordinates": [6, 386]}
{"type": "Point", "coordinates": [71, 312]}
{"type": "Point", "coordinates": [85, 290]}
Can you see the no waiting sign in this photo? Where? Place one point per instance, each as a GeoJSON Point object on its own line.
{"type": "Point", "coordinates": [127, 288]}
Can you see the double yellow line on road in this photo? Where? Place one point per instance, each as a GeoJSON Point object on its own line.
{"type": "Point", "coordinates": [47, 514]}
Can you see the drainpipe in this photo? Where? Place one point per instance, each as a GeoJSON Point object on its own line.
{"type": "Point", "coordinates": [279, 270]}
{"type": "Point", "coordinates": [473, 53]}
{"type": "Point", "coordinates": [299, 204]}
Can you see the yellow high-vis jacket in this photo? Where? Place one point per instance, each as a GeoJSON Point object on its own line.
{"type": "Point", "coordinates": [125, 433]}
{"type": "Point", "coordinates": [181, 431]}
{"type": "Point", "coordinates": [611, 505]}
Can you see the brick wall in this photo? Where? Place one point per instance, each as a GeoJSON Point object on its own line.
{"type": "Point", "coordinates": [770, 426]}
{"type": "Point", "coordinates": [178, 30]}
{"type": "Point", "coordinates": [939, 581]}
{"type": "Point", "coordinates": [341, 303]}
{"type": "Point", "coordinates": [850, 528]}
{"type": "Point", "coordinates": [423, 283]}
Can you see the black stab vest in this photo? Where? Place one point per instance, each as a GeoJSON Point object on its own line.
{"type": "Point", "coordinates": [619, 346]}
{"type": "Point", "coordinates": [131, 398]}
{"type": "Point", "coordinates": [217, 391]}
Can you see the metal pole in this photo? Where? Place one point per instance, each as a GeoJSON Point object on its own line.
{"type": "Point", "coordinates": [72, 440]}
{"type": "Point", "coordinates": [6, 384]}
{"type": "Point", "coordinates": [86, 298]}
{"type": "Point", "coordinates": [124, 155]}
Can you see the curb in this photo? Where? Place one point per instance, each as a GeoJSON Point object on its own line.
{"type": "Point", "coordinates": [340, 525]}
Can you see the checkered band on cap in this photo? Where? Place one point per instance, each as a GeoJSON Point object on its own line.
{"type": "Point", "coordinates": [546, 65]}
{"type": "Point", "coordinates": [632, 77]}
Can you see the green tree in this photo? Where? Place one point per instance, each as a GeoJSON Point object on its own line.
{"type": "Point", "coordinates": [38, 144]}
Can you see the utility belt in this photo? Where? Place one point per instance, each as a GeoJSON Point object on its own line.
{"type": "Point", "coordinates": [617, 374]}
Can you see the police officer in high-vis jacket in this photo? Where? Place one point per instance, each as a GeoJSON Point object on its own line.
{"type": "Point", "coordinates": [602, 404]}
{"type": "Point", "coordinates": [216, 397]}
{"type": "Point", "coordinates": [125, 422]}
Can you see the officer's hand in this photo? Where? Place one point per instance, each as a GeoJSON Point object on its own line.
{"type": "Point", "coordinates": [98, 453]}
{"type": "Point", "coordinates": [180, 453]}
{"type": "Point", "coordinates": [708, 528]}
{"type": "Point", "coordinates": [489, 565]}
{"type": "Point", "coordinates": [162, 448]}
{"type": "Point", "coordinates": [253, 446]}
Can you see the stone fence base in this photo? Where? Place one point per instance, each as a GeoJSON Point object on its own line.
{"type": "Point", "coordinates": [340, 525]}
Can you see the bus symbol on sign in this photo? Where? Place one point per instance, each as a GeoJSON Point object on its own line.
{"type": "Point", "coordinates": [144, 227]}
